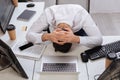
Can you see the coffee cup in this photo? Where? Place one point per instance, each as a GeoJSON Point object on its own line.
{"type": "Point", "coordinates": [11, 32]}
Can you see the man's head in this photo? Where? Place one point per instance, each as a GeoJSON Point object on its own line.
{"type": "Point", "coordinates": [67, 46]}
{"type": "Point", "coordinates": [62, 48]}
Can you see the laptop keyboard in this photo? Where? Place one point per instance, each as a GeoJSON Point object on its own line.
{"type": "Point", "coordinates": [59, 67]}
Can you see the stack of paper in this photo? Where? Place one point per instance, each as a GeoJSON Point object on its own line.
{"type": "Point", "coordinates": [33, 52]}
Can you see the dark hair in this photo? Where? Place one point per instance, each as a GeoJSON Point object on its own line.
{"type": "Point", "coordinates": [62, 48]}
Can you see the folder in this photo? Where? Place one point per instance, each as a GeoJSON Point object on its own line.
{"type": "Point", "coordinates": [26, 15]}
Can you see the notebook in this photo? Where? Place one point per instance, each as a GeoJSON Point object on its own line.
{"type": "Point", "coordinates": [26, 15]}
{"type": "Point", "coordinates": [34, 52]}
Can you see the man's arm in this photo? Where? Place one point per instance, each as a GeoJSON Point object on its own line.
{"type": "Point", "coordinates": [35, 33]}
{"type": "Point", "coordinates": [94, 37]}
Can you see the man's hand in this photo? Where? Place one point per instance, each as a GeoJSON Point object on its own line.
{"type": "Point", "coordinates": [66, 36]}
{"type": "Point", "coordinates": [50, 37]}
{"type": "Point", "coordinates": [61, 36]}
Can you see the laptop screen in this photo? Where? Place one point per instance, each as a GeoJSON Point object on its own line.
{"type": "Point", "coordinates": [6, 50]}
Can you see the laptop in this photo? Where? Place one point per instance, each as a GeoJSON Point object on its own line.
{"type": "Point", "coordinates": [15, 63]}
{"type": "Point", "coordinates": [56, 67]}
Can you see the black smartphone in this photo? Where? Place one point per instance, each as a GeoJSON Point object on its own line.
{"type": "Point", "coordinates": [25, 46]}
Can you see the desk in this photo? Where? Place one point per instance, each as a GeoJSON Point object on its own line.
{"type": "Point", "coordinates": [95, 68]}
{"type": "Point", "coordinates": [39, 6]}
{"type": "Point", "coordinates": [27, 64]}
{"type": "Point", "coordinates": [32, 67]}
{"type": "Point", "coordinates": [87, 70]}
{"type": "Point", "coordinates": [75, 51]}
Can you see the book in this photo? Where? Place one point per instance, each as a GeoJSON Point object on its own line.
{"type": "Point", "coordinates": [34, 52]}
{"type": "Point", "coordinates": [26, 15]}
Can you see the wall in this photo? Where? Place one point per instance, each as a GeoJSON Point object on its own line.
{"type": "Point", "coordinates": [49, 3]}
{"type": "Point", "coordinates": [84, 3]}
{"type": "Point", "coordinates": [104, 6]}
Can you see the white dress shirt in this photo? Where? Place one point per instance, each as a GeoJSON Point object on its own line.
{"type": "Point", "coordinates": [74, 15]}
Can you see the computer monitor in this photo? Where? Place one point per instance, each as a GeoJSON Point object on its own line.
{"type": "Point", "coordinates": [15, 63]}
{"type": "Point", "coordinates": [6, 11]}
{"type": "Point", "coordinates": [112, 72]}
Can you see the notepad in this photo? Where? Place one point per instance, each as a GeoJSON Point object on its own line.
{"type": "Point", "coordinates": [34, 52]}
{"type": "Point", "coordinates": [26, 15]}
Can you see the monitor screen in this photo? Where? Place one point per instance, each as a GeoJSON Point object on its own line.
{"type": "Point", "coordinates": [6, 11]}
{"type": "Point", "coordinates": [7, 51]}
{"type": "Point", "coordinates": [112, 72]}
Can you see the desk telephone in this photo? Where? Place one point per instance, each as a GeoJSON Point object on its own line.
{"type": "Point", "coordinates": [110, 50]}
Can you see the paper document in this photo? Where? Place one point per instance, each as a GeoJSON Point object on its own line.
{"type": "Point", "coordinates": [33, 52]}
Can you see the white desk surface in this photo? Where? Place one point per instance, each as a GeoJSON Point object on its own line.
{"type": "Point", "coordinates": [32, 67]}
{"type": "Point", "coordinates": [75, 51]}
{"type": "Point", "coordinates": [20, 34]}
{"type": "Point", "coordinates": [9, 73]}
{"type": "Point", "coordinates": [28, 65]}
{"type": "Point", "coordinates": [87, 70]}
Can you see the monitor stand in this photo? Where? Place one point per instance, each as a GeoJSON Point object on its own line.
{"type": "Point", "coordinates": [5, 49]}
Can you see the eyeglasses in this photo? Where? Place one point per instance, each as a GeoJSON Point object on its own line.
{"type": "Point", "coordinates": [4, 60]}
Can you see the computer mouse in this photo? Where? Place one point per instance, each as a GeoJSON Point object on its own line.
{"type": "Point", "coordinates": [84, 57]}
{"type": "Point", "coordinates": [30, 5]}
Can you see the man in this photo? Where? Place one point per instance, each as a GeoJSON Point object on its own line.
{"type": "Point", "coordinates": [64, 21]}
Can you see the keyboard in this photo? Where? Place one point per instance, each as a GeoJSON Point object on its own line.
{"type": "Point", "coordinates": [102, 51]}
{"type": "Point", "coordinates": [59, 67]}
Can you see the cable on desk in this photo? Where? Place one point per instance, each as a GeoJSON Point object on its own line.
{"type": "Point", "coordinates": [87, 70]}
{"type": "Point", "coordinates": [33, 70]}
{"type": "Point", "coordinates": [97, 75]}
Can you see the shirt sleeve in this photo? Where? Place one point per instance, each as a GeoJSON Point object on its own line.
{"type": "Point", "coordinates": [94, 37]}
{"type": "Point", "coordinates": [35, 32]}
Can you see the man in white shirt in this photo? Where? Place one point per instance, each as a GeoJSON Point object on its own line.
{"type": "Point", "coordinates": [64, 21]}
